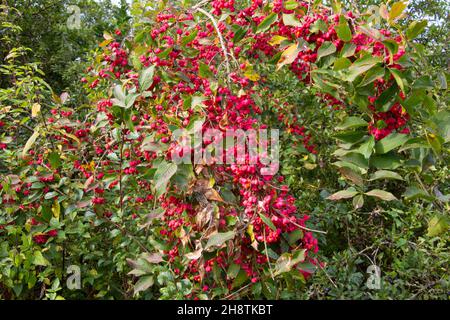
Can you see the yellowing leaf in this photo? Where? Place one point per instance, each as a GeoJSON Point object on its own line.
{"type": "Point", "coordinates": [107, 36]}
{"type": "Point", "coordinates": [251, 74]}
{"type": "Point", "coordinates": [288, 56]}
{"type": "Point", "coordinates": [35, 109]}
{"type": "Point", "coordinates": [437, 226]}
{"type": "Point", "coordinates": [396, 10]}
{"type": "Point", "coordinates": [276, 40]}
{"type": "Point", "coordinates": [105, 43]}
{"type": "Point", "coordinates": [56, 209]}
{"type": "Point", "coordinates": [30, 143]}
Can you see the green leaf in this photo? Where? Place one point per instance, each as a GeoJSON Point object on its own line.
{"type": "Point", "coordinates": [394, 140]}
{"type": "Point", "coordinates": [343, 30]}
{"type": "Point", "coordinates": [290, 5]}
{"type": "Point", "coordinates": [326, 49]}
{"type": "Point", "coordinates": [39, 260]}
{"type": "Point", "coordinates": [438, 225]}
{"type": "Point", "coordinates": [119, 93]}
{"type": "Point", "coordinates": [50, 195]}
{"type": "Point", "coordinates": [383, 195]}
{"type": "Point", "coordinates": [342, 63]}
{"type": "Point", "coordinates": [146, 78]}
{"type": "Point", "coordinates": [372, 75]}
{"type": "Point", "coordinates": [387, 99]}
{"type": "Point", "coordinates": [388, 161]}
{"type": "Point", "coordinates": [163, 174]}
{"type": "Point", "coordinates": [351, 175]}
{"type": "Point", "coordinates": [143, 284]}
{"type": "Point", "coordinates": [219, 239]}
{"type": "Point", "coordinates": [267, 22]}
{"type": "Point", "coordinates": [344, 194]}
{"type": "Point", "coordinates": [233, 270]}
{"type": "Point", "coordinates": [358, 201]}
{"type": "Point", "coordinates": [385, 174]}
{"type": "Point", "coordinates": [398, 78]}
{"type": "Point", "coordinates": [189, 38]}
{"type": "Point", "coordinates": [348, 50]}
{"type": "Point", "coordinates": [204, 71]}
{"type": "Point", "coordinates": [416, 28]}
{"type": "Point", "coordinates": [131, 99]}
{"type": "Point", "coordinates": [54, 159]}
{"type": "Point", "coordinates": [287, 261]}
{"type": "Point", "coordinates": [352, 122]}
{"type": "Point", "coordinates": [268, 222]}
{"type": "Point", "coordinates": [366, 149]}
{"type": "Point", "coordinates": [360, 66]}
{"type": "Point", "coordinates": [291, 20]}
{"type": "Point", "coordinates": [319, 25]}
{"type": "Point", "coordinates": [441, 122]}
{"type": "Point", "coordinates": [414, 193]}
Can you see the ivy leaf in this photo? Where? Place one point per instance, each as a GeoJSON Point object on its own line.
{"type": "Point", "coordinates": [267, 22]}
{"type": "Point", "coordinates": [146, 78]}
{"type": "Point", "coordinates": [219, 238]}
{"type": "Point", "coordinates": [383, 195]}
{"type": "Point", "coordinates": [163, 174]}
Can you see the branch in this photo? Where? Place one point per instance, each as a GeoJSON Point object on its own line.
{"type": "Point", "coordinates": [222, 42]}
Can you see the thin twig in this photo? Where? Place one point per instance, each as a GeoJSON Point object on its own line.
{"type": "Point", "coordinates": [307, 229]}
{"type": "Point", "coordinates": [328, 276]}
{"type": "Point", "coordinates": [267, 255]}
